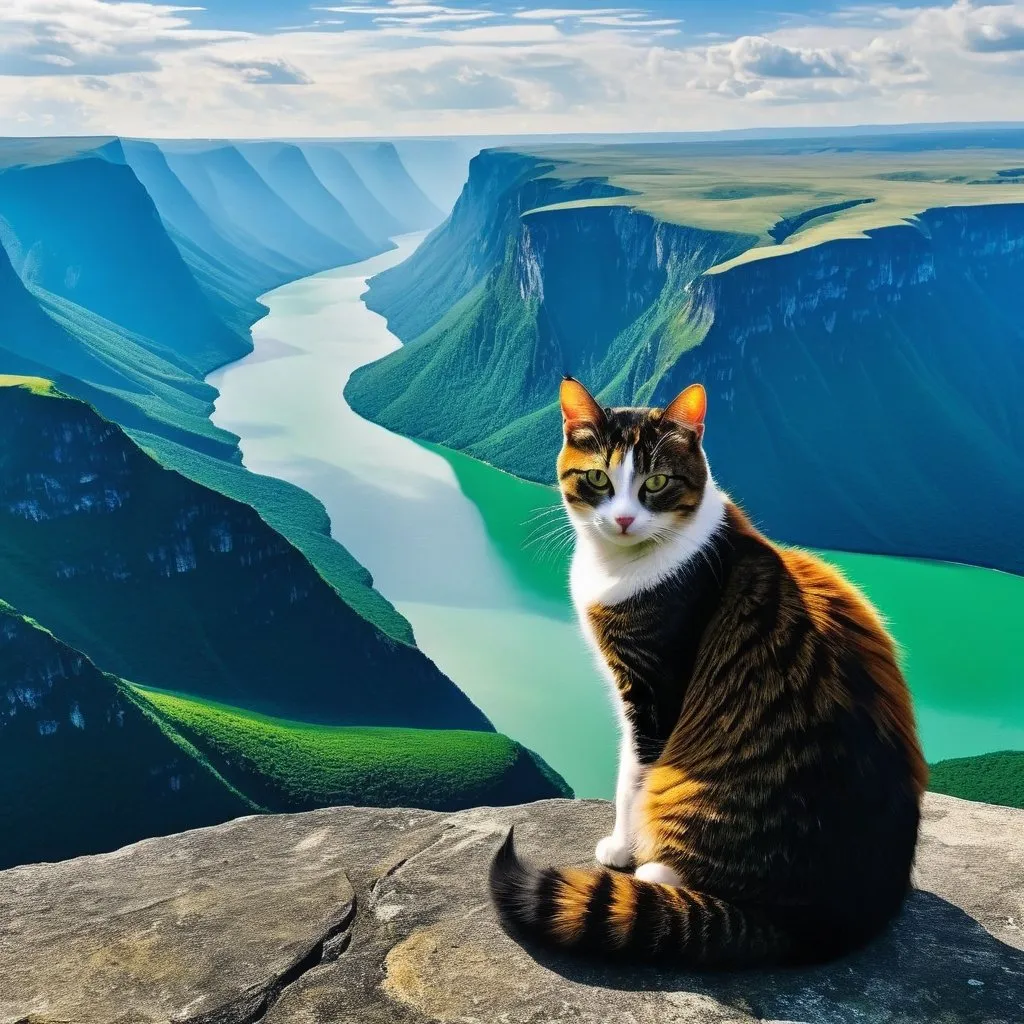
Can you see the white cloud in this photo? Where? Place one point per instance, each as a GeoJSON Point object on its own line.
{"type": "Point", "coordinates": [759, 57]}
{"type": "Point", "coordinates": [762, 69]}
{"type": "Point", "coordinates": [414, 67]}
{"type": "Point", "coordinates": [987, 28]}
{"type": "Point", "coordinates": [94, 37]}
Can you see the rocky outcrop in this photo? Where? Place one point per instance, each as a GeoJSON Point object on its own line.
{"type": "Point", "coordinates": [357, 914]}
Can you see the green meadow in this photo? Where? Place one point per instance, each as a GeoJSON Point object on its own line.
{"type": "Point", "coordinates": [996, 778]}
{"type": "Point", "coordinates": [289, 765]}
{"type": "Point", "coordinates": [784, 203]}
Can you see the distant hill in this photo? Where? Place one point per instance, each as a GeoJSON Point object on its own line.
{"type": "Point", "coordinates": [133, 379]}
{"type": "Point", "coordinates": [862, 373]}
{"type": "Point", "coordinates": [86, 230]}
{"type": "Point", "coordinates": [381, 168]}
{"type": "Point", "coordinates": [339, 177]}
{"type": "Point", "coordinates": [285, 169]}
{"type": "Point", "coordinates": [227, 272]}
{"type": "Point", "coordinates": [238, 200]}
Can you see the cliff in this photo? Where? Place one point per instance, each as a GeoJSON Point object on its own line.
{"type": "Point", "coordinates": [381, 168]}
{"type": "Point", "coordinates": [86, 230]}
{"type": "Point", "coordinates": [286, 170]}
{"type": "Point", "coordinates": [83, 766]}
{"type": "Point", "coordinates": [867, 366]}
{"type": "Point", "coordinates": [89, 762]}
{"type": "Point", "coordinates": [171, 584]}
{"type": "Point", "coordinates": [382, 916]}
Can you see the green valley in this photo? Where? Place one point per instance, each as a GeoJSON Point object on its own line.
{"type": "Point", "coordinates": [135, 544]}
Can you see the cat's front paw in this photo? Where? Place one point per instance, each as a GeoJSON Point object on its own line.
{"type": "Point", "coordinates": [614, 852]}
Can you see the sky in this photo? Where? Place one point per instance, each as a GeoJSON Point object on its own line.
{"type": "Point", "coordinates": [251, 68]}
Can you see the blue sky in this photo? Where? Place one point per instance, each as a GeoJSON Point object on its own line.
{"type": "Point", "coordinates": [735, 17]}
{"type": "Point", "coordinates": [366, 67]}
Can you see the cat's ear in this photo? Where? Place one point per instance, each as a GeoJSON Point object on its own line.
{"type": "Point", "coordinates": [688, 408]}
{"type": "Point", "coordinates": [579, 407]}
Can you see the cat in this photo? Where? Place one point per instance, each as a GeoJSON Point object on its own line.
{"type": "Point", "coordinates": [770, 776]}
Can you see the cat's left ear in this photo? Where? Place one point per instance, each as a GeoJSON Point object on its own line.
{"type": "Point", "coordinates": [688, 408]}
{"type": "Point", "coordinates": [579, 407]}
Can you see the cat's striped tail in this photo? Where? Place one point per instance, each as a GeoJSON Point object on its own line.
{"type": "Point", "coordinates": [607, 912]}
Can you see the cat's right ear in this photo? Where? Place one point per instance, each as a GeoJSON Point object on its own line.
{"type": "Point", "coordinates": [579, 408]}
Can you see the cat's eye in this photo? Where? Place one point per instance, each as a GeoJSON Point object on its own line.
{"type": "Point", "coordinates": [598, 478]}
{"type": "Point", "coordinates": [656, 483]}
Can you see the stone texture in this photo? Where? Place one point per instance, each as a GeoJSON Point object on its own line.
{"type": "Point", "coordinates": [359, 914]}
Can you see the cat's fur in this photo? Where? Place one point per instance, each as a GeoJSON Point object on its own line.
{"type": "Point", "coordinates": [770, 775]}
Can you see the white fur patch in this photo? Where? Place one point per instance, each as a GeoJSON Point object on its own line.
{"type": "Point", "coordinates": [608, 574]}
{"type": "Point", "coordinates": [662, 874]}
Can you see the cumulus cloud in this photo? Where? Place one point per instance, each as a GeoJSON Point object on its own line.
{"type": "Point", "coordinates": [989, 28]}
{"type": "Point", "coordinates": [759, 68]}
{"type": "Point", "coordinates": [756, 56]}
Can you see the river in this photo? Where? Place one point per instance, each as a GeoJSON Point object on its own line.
{"type": "Point", "coordinates": [475, 559]}
{"type": "Point", "coordinates": [494, 617]}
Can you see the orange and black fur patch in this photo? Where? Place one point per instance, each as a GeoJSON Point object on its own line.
{"type": "Point", "coordinates": [782, 772]}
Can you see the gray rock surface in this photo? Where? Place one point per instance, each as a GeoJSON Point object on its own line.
{"type": "Point", "coordinates": [358, 914]}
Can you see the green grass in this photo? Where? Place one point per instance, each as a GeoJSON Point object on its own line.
{"type": "Point", "coordinates": [295, 765]}
{"type": "Point", "coordinates": [752, 188]}
{"type": "Point", "coordinates": [996, 778]}
{"type": "Point", "coordinates": [37, 385]}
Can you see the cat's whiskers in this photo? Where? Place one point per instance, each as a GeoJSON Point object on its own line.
{"type": "Point", "coordinates": [550, 538]}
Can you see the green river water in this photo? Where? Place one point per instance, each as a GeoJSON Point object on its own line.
{"type": "Point", "coordinates": [469, 554]}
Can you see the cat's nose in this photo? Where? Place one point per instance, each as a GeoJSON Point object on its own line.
{"type": "Point", "coordinates": [625, 522]}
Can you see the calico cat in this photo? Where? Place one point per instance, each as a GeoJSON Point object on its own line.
{"type": "Point", "coordinates": [770, 775]}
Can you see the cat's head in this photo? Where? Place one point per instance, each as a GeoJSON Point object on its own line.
{"type": "Point", "coordinates": [632, 476]}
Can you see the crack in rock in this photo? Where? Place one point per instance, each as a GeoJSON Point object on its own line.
{"type": "Point", "coordinates": [331, 945]}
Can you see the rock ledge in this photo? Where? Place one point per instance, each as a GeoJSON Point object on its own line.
{"type": "Point", "coordinates": [360, 914]}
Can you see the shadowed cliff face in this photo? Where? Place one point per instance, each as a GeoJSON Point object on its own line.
{"type": "Point", "coordinates": [84, 769]}
{"type": "Point", "coordinates": [859, 388]}
{"type": "Point", "coordinates": [167, 583]}
{"type": "Point", "coordinates": [368, 915]}
{"type": "Point", "coordinates": [875, 377]}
